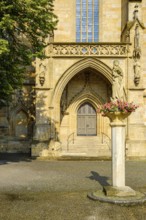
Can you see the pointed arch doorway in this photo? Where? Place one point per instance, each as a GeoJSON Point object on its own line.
{"type": "Point", "coordinates": [86, 120]}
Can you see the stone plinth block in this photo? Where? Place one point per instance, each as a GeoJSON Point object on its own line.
{"type": "Point", "coordinates": [118, 191]}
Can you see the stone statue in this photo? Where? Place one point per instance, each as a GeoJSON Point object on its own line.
{"type": "Point", "coordinates": [117, 88]}
{"type": "Point", "coordinates": [128, 36]}
{"type": "Point", "coordinates": [137, 50]}
{"type": "Point", "coordinates": [137, 72]}
{"type": "Point", "coordinates": [137, 56]}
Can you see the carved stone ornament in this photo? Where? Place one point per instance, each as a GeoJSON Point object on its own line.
{"type": "Point", "coordinates": [42, 71]}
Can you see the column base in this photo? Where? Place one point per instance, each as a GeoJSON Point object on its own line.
{"type": "Point", "coordinates": [119, 191]}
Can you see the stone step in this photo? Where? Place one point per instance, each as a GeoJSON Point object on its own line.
{"type": "Point", "coordinates": [90, 146]}
{"type": "Point", "coordinates": [73, 154]}
{"type": "Point", "coordinates": [89, 154]}
{"type": "Point", "coordinates": [85, 140]}
{"type": "Point", "coordinates": [87, 146]}
{"type": "Point", "coordinates": [85, 149]}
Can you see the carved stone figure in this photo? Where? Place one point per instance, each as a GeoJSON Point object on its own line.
{"type": "Point", "coordinates": [128, 36]}
{"type": "Point", "coordinates": [137, 56]}
{"type": "Point", "coordinates": [42, 70]}
{"type": "Point", "coordinates": [137, 50]}
{"type": "Point", "coordinates": [117, 88]}
{"type": "Point", "coordinates": [135, 12]}
{"type": "Point", "coordinates": [137, 72]}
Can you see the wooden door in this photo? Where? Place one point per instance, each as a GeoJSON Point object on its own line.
{"type": "Point", "coordinates": [86, 120]}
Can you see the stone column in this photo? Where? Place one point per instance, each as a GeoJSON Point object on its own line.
{"type": "Point", "coordinates": [118, 147]}
{"type": "Point", "coordinates": [118, 153]}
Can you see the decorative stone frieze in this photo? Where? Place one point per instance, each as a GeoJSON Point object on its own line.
{"type": "Point", "coordinates": [88, 49]}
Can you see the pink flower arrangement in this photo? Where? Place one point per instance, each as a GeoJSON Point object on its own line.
{"type": "Point", "coordinates": [117, 106]}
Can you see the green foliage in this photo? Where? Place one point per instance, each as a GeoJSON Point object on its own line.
{"type": "Point", "coordinates": [24, 26]}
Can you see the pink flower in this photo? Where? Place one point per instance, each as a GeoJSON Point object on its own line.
{"type": "Point", "coordinates": [117, 105]}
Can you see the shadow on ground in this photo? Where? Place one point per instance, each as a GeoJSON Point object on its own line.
{"type": "Point", "coordinates": [103, 180]}
{"type": "Point", "coordinates": [12, 157]}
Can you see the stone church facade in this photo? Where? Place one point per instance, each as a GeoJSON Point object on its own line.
{"type": "Point", "coordinates": [55, 114]}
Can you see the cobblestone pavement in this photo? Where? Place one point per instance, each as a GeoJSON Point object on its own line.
{"type": "Point", "coordinates": [57, 190]}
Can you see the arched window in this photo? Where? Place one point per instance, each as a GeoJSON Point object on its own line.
{"type": "Point", "coordinates": [87, 20]}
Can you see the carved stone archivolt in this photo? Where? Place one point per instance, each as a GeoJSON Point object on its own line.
{"type": "Point", "coordinates": [87, 89]}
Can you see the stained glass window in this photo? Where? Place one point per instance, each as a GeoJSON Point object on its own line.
{"type": "Point", "coordinates": [87, 20]}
